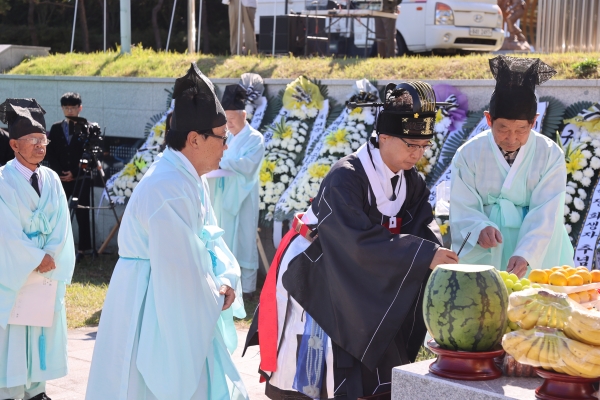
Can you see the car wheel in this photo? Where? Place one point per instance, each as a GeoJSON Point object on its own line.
{"type": "Point", "coordinates": [401, 48]}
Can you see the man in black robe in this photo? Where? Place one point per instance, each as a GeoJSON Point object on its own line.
{"type": "Point", "coordinates": [342, 303]}
{"type": "Point", "coordinates": [6, 152]}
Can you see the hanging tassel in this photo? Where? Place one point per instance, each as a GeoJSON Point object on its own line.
{"type": "Point", "coordinates": [42, 345]}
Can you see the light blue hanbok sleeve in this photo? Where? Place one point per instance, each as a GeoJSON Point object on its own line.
{"type": "Point", "coordinates": [245, 165]}
{"type": "Point", "coordinates": [182, 303]}
{"type": "Point", "coordinates": [467, 214]}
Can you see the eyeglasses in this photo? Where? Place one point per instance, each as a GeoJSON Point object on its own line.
{"type": "Point", "coordinates": [36, 141]}
{"type": "Point", "coordinates": [70, 108]}
{"type": "Point", "coordinates": [414, 147]}
{"type": "Point", "coordinates": [224, 138]}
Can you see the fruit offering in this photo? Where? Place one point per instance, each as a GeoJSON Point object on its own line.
{"type": "Point", "coordinates": [550, 349]}
{"type": "Point", "coordinates": [584, 326]}
{"type": "Point", "coordinates": [539, 307]}
{"type": "Point", "coordinates": [569, 277]}
{"type": "Point", "coordinates": [514, 284]}
{"type": "Point", "coordinates": [464, 307]}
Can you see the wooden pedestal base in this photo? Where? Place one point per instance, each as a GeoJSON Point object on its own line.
{"type": "Point", "coordinates": [564, 387]}
{"type": "Point", "coordinates": [464, 365]}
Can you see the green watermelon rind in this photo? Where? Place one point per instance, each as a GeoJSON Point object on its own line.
{"type": "Point", "coordinates": [466, 311]}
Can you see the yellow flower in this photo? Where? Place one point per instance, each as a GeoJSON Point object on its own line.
{"type": "Point", "coordinates": [282, 130]}
{"type": "Point", "coordinates": [159, 129]}
{"type": "Point", "coordinates": [356, 111]}
{"type": "Point", "coordinates": [129, 170]}
{"type": "Point", "coordinates": [336, 138]}
{"type": "Point", "coordinates": [444, 228]}
{"type": "Point", "coordinates": [266, 172]}
{"type": "Point", "coordinates": [574, 160]}
{"type": "Point", "coordinates": [421, 164]}
{"type": "Point", "coordinates": [302, 92]}
{"type": "Point", "coordinates": [318, 171]}
{"type": "Point", "coordinates": [140, 163]}
{"type": "Point", "coordinates": [438, 116]}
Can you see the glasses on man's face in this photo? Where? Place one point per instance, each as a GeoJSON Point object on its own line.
{"type": "Point", "coordinates": [415, 147]}
{"type": "Point", "coordinates": [36, 141]}
{"type": "Point", "coordinates": [70, 108]}
{"type": "Point", "coordinates": [224, 138]}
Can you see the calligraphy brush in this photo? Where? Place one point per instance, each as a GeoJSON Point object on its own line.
{"type": "Point", "coordinates": [463, 244]}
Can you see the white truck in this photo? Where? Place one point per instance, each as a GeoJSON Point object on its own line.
{"type": "Point", "coordinates": [442, 26]}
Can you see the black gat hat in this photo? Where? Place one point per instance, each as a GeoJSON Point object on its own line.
{"type": "Point", "coordinates": [23, 116]}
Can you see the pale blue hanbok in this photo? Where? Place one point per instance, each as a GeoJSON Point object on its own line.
{"type": "Point", "coordinates": [162, 334]}
{"type": "Point", "coordinates": [235, 199]}
{"type": "Point", "coordinates": [525, 202]}
{"type": "Point", "coordinates": [32, 226]}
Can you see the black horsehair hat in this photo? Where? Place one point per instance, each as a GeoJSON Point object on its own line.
{"type": "Point", "coordinates": [234, 98]}
{"type": "Point", "coordinates": [514, 96]}
{"type": "Point", "coordinates": [408, 110]}
{"type": "Point", "coordinates": [197, 107]}
{"type": "Point", "coordinates": [23, 116]}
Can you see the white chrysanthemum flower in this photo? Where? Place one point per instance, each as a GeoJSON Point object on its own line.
{"type": "Point", "coordinates": [568, 198]}
{"type": "Point", "coordinates": [355, 145]}
{"type": "Point", "coordinates": [568, 228]}
{"type": "Point", "coordinates": [133, 185]}
{"type": "Point", "coordinates": [572, 184]}
{"type": "Point", "coordinates": [596, 142]}
{"type": "Point", "coordinates": [269, 185]}
{"type": "Point", "coordinates": [298, 148]}
{"type": "Point", "coordinates": [567, 210]}
{"type": "Point", "coordinates": [570, 189]}
{"type": "Point", "coordinates": [587, 154]}
{"type": "Point", "coordinates": [578, 203]}
{"type": "Point", "coordinates": [261, 206]}
{"type": "Point", "coordinates": [428, 168]}
{"type": "Point", "coordinates": [597, 151]}
{"type": "Point", "coordinates": [127, 192]}
{"type": "Point", "coordinates": [574, 217]}
{"type": "Point", "coordinates": [595, 162]}
{"type": "Point", "coordinates": [284, 179]}
{"type": "Point", "coordinates": [360, 127]}
{"type": "Point", "coordinates": [577, 176]}
{"type": "Point", "coordinates": [588, 172]}
{"type": "Point", "coordinates": [586, 182]}
{"type": "Point", "coordinates": [428, 153]}
{"type": "Point", "coordinates": [582, 194]}
{"type": "Point", "coordinates": [271, 208]}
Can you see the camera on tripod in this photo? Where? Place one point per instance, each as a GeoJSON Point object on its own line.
{"type": "Point", "coordinates": [89, 133]}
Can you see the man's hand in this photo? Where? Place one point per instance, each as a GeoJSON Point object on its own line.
{"type": "Point", "coordinates": [46, 265]}
{"type": "Point", "coordinates": [229, 296]}
{"type": "Point", "coordinates": [489, 237]}
{"type": "Point", "coordinates": [443, 256]}
{"type": "Point", "coordinates": [517, 265]}
{"type": "Point", "coordinates": [67, 176]}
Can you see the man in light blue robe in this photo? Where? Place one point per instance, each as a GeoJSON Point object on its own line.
{"type": "Point", "coordinates": [166, 330]}
{"type": "Point", "coordinates": [35, 238]}
{"type": "Point", "coordinates": [508, 183]}
{"type": "Point", "coordinates": [235, 196]}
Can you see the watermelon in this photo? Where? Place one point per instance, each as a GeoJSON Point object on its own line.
{"type": "Point", "coordinates": [465, 307]}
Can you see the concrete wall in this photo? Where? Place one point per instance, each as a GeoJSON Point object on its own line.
{"type": "Point", "coordinates": [124, 105]}
{"type": "Point", "coordinates": [11, 55]}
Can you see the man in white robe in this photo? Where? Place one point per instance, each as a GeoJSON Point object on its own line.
{"type": "Point", "coordinates": [35, 239]}
{"type": "Point", "coordinates": [508, 183]}
{"type": "Point", "coordinates": [166, 330]}
{"type": "Point", "coordinates": [235, 195]}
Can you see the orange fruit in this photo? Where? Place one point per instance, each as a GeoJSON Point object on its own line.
{"type": "Point", "coordinates": [582, 268]}
{"type": "Point", "coordinates": [574, 297]}
{"type": "Point", "coordinates": [595, 275]}
{"type": "Point", "coordinates": [538, 276]}
{"type": "Point", "coordinates": [568, 271]}
{"type": "Point", "coordinates": [554, 269]}
{"type": "Point", "coordinates": [558, 279]}
{"type": "Point", "coordinates": [584, 297]}
{"type": "Point", "coordinates": [575, 280]}
{"type": "Point", "coordinates": [593, 294]}
{"type": "Point", "coordinates": [587, 277]}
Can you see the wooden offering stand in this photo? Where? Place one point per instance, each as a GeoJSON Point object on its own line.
{"type": "Point", "coordinates": [465, 365]}
{"type": "Point", "coordinates": [564, 387]}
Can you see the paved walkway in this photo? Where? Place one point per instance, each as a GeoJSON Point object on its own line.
{"type": "Point", "coordinates": [81, 347]}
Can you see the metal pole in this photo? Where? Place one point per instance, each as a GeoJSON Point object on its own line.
{"type": "Point", "coordinates": [74, 22]}
{"type": "Point", "coordinates": [191, 26]}
{"type": "Point", "coordinates": [274, 25]}
{"type": "Point", "coordinates": [105, 26]}
{"type": "Point", "coordinates": [199, 27]}
{"type": "Point", "coordinates": [125, 26]}
{"type": "Point", "coordinates": [171, 25]}
{"type": "Point", "coordinates": [239, 29]}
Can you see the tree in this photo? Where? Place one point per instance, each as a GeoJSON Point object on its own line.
{"type": "Point", "coordinates": [31, 23]}
{"type": "Point", "coordinates": [155, 11]}
{"type": "Point", "coordinates": [84, 26]}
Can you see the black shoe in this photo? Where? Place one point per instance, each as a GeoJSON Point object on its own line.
{"type": "Point", "coordinates": [248, 296]}
{"type": "Point", "coordinates": [41, 396]}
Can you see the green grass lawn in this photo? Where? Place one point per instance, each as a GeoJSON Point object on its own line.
{"type": "Point", "coordinates": [148, 63]}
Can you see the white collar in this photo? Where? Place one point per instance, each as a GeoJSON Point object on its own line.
{"type": "Point", "coordinates": [188, 165]}
{"type": "Point", "coordinates": [26, 172]}
{"type": "Point", "coordinates": [384, 173]}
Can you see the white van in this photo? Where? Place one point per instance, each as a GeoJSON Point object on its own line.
{"type": "Point", "coordinates": [443, 26]}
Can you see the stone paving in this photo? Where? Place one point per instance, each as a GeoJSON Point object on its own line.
{"type": "Point", "coordinates": [81, 348]}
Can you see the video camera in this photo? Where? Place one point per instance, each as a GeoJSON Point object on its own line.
{"type": "Point", "coordinates": [87, 132]}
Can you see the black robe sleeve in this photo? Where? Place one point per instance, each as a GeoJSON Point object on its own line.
{"type": "Point", "coordinates": [358, 280]}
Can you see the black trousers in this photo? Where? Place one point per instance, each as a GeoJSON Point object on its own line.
{"type": "Point", "coordinates": [83, 191]}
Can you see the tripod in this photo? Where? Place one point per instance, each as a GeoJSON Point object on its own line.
{"type": "Point", "coordinates": [90, 169]}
